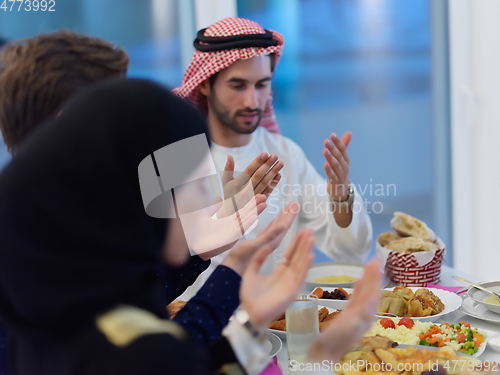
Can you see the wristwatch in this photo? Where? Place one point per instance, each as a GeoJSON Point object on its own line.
{"type": "Point", "coordinates": [347, 202]}
{"type": "Point", "coordinates": [242, 317]}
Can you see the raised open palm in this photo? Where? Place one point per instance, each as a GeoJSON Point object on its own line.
{"type": "Point", "coordinates": [239, 257]}
{"type": "Point", "coordinates": [260, 177]}
{"type": "Point", "coordinates": [265, 297]}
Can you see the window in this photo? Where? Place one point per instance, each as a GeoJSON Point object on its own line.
{"type": "Point", "coordinates": [148, 30]}
{"type": "Point", "coordinates": [362, 66]}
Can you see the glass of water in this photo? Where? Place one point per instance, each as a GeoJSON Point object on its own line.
{"type": "Point", "coordinates": [302, 326]}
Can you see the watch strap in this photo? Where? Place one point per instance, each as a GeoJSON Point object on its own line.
{"type": "Point", "coordinates": [346, 202]}
{"type": "Point", "coordinates": [243, 318]}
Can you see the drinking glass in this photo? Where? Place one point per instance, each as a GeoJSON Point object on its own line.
{"type": "Point", "coordinates": [302, 326]}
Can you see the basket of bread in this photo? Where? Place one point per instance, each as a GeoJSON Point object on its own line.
{"type": "Point", "coordinates": [412, 254]}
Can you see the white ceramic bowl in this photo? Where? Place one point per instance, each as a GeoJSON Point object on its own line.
{"type": "Point", "coordinates": [493, 345]}
{"type": "Point", "coordinates": [333, 269]}
{"type": "Point", "coordinates": [336, 269]}
{"type": "Point", "coordinates": [479, 295]}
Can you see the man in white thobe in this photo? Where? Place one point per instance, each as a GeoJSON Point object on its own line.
{"type": "Point", "coordinates": [230, 79]}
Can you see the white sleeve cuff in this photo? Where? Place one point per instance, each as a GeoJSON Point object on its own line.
{"type": "Point", "coordinates": [251, 355]}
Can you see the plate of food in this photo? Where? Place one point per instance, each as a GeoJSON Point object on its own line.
{"type": "Point", "coordinates": [424, 304]}
{"type": "Point", "coordinates": [447, 351]}
{"type": "Point", "coordinates": [374, 355]}
{"type": "Point", "coordinates": [335, 298]}
{"type": "Point", "coordinates": [325, 317]}
{"type": "Point", "coordinates": [461, 337]}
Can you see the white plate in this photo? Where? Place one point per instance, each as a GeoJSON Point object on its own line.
{"type": "Point", "coordinates": [282, 334]}
{"type": "Point", "coordinates": [479, 295]}
{"type": "Point", "coordinates": [273, 344]}
{"type": "Point", "coordinates": [451, 302]}
{"type": "Point", "coordinates": [480, 351]}
{"type": "Point", "coordinates": [402, 346]}
{"type": "Point", "coordinates": [489, 335]}
{"type": "Point", "coordinates": [474, 309]}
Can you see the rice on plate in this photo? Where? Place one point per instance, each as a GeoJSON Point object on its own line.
{"type": "Point", "coordinates": [400, 333]}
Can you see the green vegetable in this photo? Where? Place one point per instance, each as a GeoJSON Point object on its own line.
{"type": "Point", "coordinates": [469, 345]}
{"type": "Point", "coordinates": [466, 347]}
{"type": "Point", "coordinates": [424, 342]}
{"type": "Point", "coordinates": [472, 351]}
{"type": "Point", "coordinates": [469, 335]}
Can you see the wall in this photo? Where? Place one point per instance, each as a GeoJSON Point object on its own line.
{"type": "Point", "coordinates": [475, 119]}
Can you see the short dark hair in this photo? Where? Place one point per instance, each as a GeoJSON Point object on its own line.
{"type": "Point", "coordinates": [213, 77]}
{"type": "Point", "coordinates": [38, 74]}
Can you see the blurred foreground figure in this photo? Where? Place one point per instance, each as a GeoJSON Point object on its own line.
{"type": "Point", "coordinates": [43, 72]}
{"type": "Point", "coordinates": [79, 291]}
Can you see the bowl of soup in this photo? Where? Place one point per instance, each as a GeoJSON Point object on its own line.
{"type": "Point", "coordinates": [337, 279]}
{"type": "Point", "coordinates": [486, 299]}
{"type": "Point", "coordinates": [333, 274]}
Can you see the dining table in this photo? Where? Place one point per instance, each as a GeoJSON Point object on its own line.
{"type": "Point", "coordinates": [456, 316]}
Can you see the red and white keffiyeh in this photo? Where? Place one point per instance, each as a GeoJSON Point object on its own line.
{"type": "Point", "coordinates": [205, 64]}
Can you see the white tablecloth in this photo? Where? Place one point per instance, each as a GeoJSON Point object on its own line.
{"type": "Point", "coordinates": [457, 316]}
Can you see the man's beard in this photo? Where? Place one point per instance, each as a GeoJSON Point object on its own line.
{"type": "Point", "coordinates": [231, 122]}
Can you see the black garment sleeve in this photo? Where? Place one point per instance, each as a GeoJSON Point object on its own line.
{"type": "Point", "coordinates": [179, 357]}
{"type": "Point", "coordinates": [208, 312]}
{"type": "Point", "coordinates": [161, 354]}
{"type": "Point", "coordinates": [178, 279]}
{"type": "Point", "coordinates": [223, 359]}
{"type": "Point", "coordinates": [3, 351]}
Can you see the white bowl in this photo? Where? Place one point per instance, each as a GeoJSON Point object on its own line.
{"type": "Point", "coordinates": [479, 295]}
{"type": "Point", "coordinates": [494, 346]}
{"type": "Point", "coordinates": [333, 269]}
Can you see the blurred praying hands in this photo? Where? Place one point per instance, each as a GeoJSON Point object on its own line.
{"type": "Point", "coordinates": [260, 177]}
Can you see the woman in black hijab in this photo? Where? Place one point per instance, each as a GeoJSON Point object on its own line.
{"type": "Point", "coordinates": [79, 256]}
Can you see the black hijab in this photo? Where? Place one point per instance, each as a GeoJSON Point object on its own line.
{"type": "Point", "coordinates": [75, 239]}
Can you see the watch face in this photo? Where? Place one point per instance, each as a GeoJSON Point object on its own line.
{"type": "Point", "coordinates": [242, 316]}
